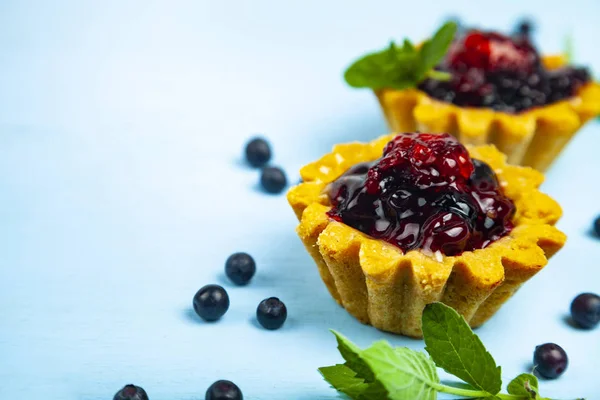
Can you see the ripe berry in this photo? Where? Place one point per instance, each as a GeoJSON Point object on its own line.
{"type": "Point", "coordinates": [211, 302]}
{"type": "Point", "coordinates": [240, 268]}
{"type": "Point", "coordinates": [448, 228]}
{"type": "Point", "coordinates": [131, 392]}
{"type": "Point", "coordinates": [597, 226]}
{"type": "Point", "coordinates": [492, 51]}
{"type": "Point", "coordinates": [525, 27]}
{"type": "Point", "coordinates": [503, 73]}
{"type": "Point", "coordinates": [258, 152]}
{"type": "Point", "coordinates": [585, 310]}
{"type": "Point", "coordinates": [424, 193]}
{"type": "Point", "coordinates": [271, 313]}
{"type": "Point", "coordinates": [224, 390]}
{"type": "Point", "coordinates": [550, 360]}
{"type": "Point", "coordinates": [273, 179]}
{"type": "Point", "coordinates": [483, 175]}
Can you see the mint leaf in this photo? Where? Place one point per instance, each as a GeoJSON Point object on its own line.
{"type": "Point", "coordinates": [344, 380]}
{"type": "Point", "coordinates": [352, 355]}
{"type": "Point", "coordinates": [408, 47]}
{"type": "Point", "coordinates": [454, 347]}
{"type": "Point", "coordinates": [401, 67]}
{"type": "Point", "coordinates": [524, 385]}
{"type": "Point", "coordinates": [404, 373]}
{"type": "Point", "coordinates": [350, 352]}
{"type": "Point", "coordinates": [434, 50]}
{"type": "Point", "coordinates": [392, 67]}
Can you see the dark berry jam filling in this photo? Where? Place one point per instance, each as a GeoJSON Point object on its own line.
{"type": "Point", "coordinates": [424, 193]}
{"type": "Point", "coordinates": [492, 70]}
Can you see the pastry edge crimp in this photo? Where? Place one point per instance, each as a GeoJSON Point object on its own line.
{"type": "Point", "coordinates": [380, 285]}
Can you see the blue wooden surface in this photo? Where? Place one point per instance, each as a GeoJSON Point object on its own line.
{"type": "Point", "coordinates": [123, 192]}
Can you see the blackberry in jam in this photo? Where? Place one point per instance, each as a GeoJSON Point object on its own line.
{"type": "Point", "coordinates": [492, 70]}
{"type": "Point", "coordinates": [425, 192]}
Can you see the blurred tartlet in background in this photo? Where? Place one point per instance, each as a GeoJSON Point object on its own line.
{"type": "Point", "coordinates": [483, 88]}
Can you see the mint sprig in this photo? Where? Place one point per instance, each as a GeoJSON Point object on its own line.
{"type": "Point", "coordinates": [454, 347]}
{"type": "Point", "coordinates": [382, 372]}
{"type": "Point", "coordinates": [524, 385]}
{"type": "Point", "coordinates": [405, 66]}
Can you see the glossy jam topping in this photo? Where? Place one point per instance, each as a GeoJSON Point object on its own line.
{"type": "Point", "coordinates": [491, 51]}
{"type": "Point", "coordinates": [504, 73]}
{"type": "Point", "coordinates": [424, 193]}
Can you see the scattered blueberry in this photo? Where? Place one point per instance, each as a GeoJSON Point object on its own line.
{"type": "Point", "coordinates": [240, 268]}
{"type": "Point", "coordinates": [224, 390]}
{"type": "Point", "coordinates": [271, 313]}
{"type": "Point", "coordinates": [597, 226]}
{"type": "Point", "coordinates": [273, 179]}
{"type": "Point", "coordinates": [211, 302]}
{"type": "Point", "coordinates": [258, 152]}
{"type": "Point", "coordinates": [550, 360]}
{"type": "Point", "coordinates": [131, 392]}
{"type": "Point", "coordinates": [585, 310]}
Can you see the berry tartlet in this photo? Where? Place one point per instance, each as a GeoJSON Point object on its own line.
{"type": "Point", "coordinates": [483, 88]}
{"type": "Point", "coordinates": [411, 219]}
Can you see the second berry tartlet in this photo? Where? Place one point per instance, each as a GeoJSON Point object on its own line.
{"type": "Point", "coordinates": [411, 219]}
{"type": "Point", "coordinates": [483, 88]}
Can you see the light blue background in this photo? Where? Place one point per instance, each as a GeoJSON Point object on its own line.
{"type": "Point", "coordinates": [123, 192]}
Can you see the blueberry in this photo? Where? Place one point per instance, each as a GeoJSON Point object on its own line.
{"type": "Point", "coordinates": [597, 226]}
{"type": "Point", "coordinates": [550, 360]}
{"type": "Point", "coordinates": [240, 268]}
{"type": "Point", "coordinates": [525, 27]}
{"type": "Point", "coordinates": [273, 179]}
{"type": "Point", "coordinates": [585, 310]}
{"type": "Point", "coordinates": [483, 175]}
{"type": "Point", "coordinates": [258, 152]}
{"type": "Point", "coordinates": [271, 313]}
{"type": "Point", "coordinates": [211, 302]}
{"type": "Point", "coordinates": [224, 390]}
{"type": "Point", "coordinates": [131, 392]}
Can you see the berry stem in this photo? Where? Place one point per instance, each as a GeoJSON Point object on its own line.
{"type": "Point", "coordinates": [478, 394]}
{"type": "Point", "coordinates": [438, 75]}
{"type": "Point", "coordinates": [569, 48]}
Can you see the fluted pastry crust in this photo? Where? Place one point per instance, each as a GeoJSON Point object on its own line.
{"type": "Point", "coordinates": [379, 284]}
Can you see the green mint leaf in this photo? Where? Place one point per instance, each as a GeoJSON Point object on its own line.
{"type": "Point", "coordinates": [524, 385]}
{"type": "Point", "coordinates": [400, 67]}
{"type": "Point", "coordinates": [390, 68]}
{"type": "Point", "coordinates": [434, 49]}
{"type": "Point", "coordinates": [352, 355]}
{"type": "Point", "coordinates": [404, 373]}
{"type": "Point", "coordinates": [344, 380]}
{"type": "Point", "coordinates": [454, 347]}
{"type": "Point", "coordinates": [408, 47]}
